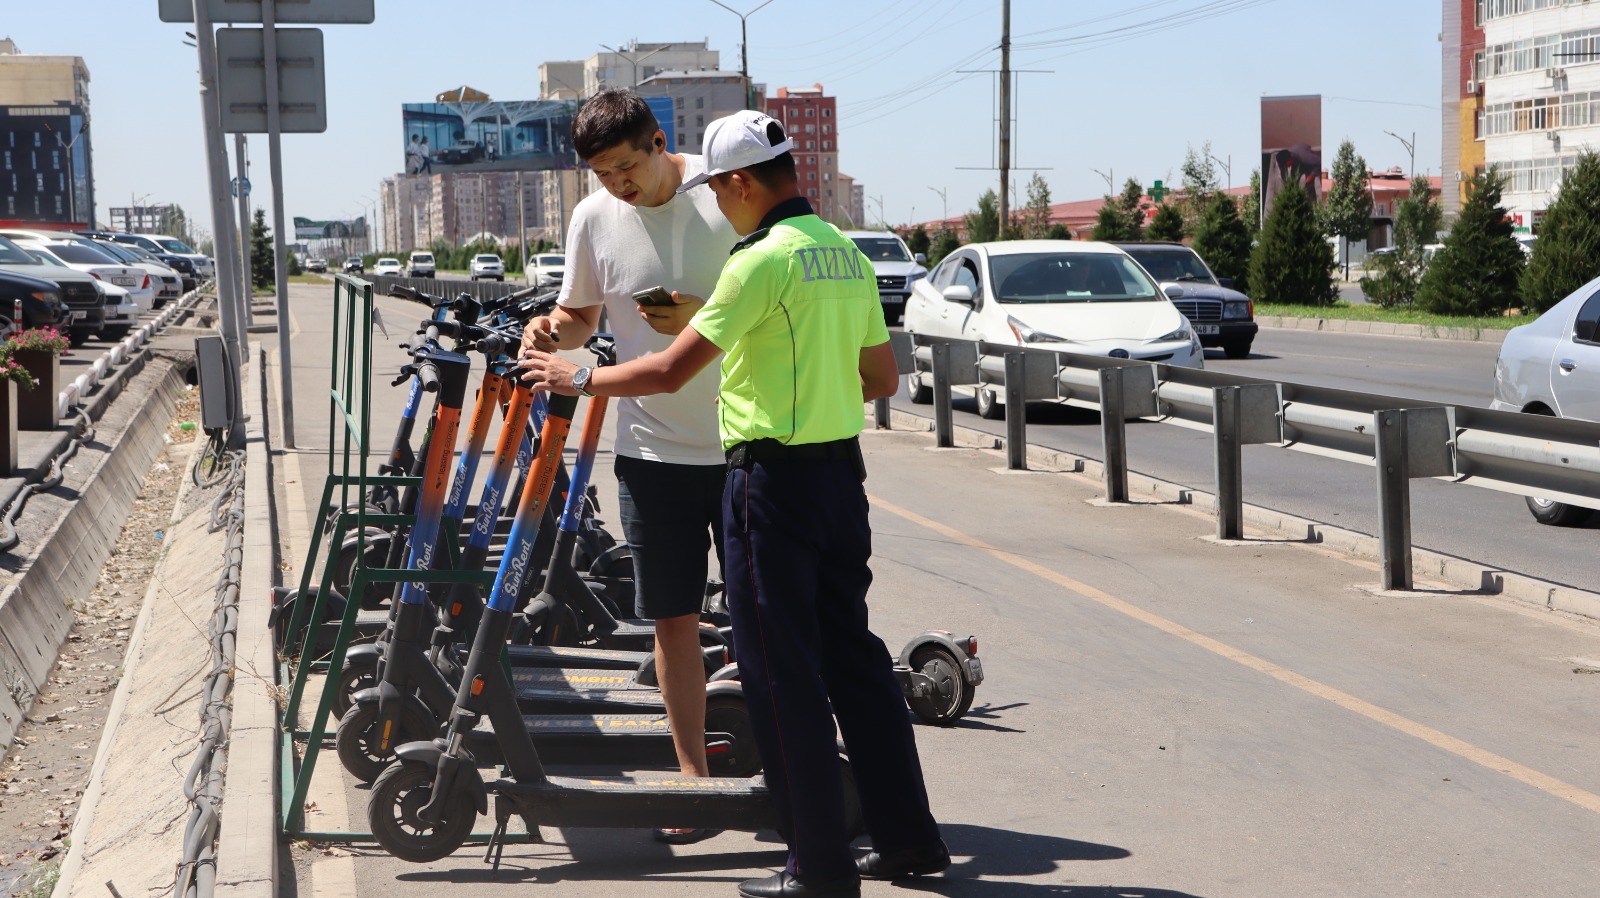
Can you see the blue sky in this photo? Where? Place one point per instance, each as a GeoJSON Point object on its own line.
{"type": "Point", "coordinates": [1127, 89]}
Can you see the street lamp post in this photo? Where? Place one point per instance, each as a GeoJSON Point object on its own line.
{"type": "Point", "coordinates": [1110, 175]}
{"type": "Point", "coordinates": [633, 60]}
{"type": "Point", "coordinates": [72, 184]}
{"type": "Point", "coordinates": [1411, 149]}
{"type": "Point", "coordinates": [944, 199]}
{"type": "Point", "coordinates": [744, 48]}
{"type": "Point", "coordinates": [1226, 166]}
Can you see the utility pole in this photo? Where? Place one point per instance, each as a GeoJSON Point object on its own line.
{"type": "Point", "coordinates": [744, 49]}
{"type": "Point", "coordinates": [242, 162]}
{"type": "Point", "coordinates": [1226, 166]}
{"type": "Point", "coordinates": [522, 229]}
{"type": "Point", "coordinates": [1110, 176]}
{"type": "Point", "coordinates": [1005, 115]}
{"type": "Point", "coordinates": [882, 224]}
{"type": "Point", "coordinates": [1411, 148]}
{"type": "Point", "coordinates": [945, 200]}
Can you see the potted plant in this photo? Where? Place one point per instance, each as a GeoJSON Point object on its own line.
{"type": "Point", "coordinates": [12, 375]}
{"type": "Point", "coordinates": [38, 350]}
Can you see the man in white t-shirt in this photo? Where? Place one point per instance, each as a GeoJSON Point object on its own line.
{"type": "Point", "coordinates": [637, 234]}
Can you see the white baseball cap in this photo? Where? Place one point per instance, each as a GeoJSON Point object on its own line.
{"type": "Point", "coordinates": [738, 141]}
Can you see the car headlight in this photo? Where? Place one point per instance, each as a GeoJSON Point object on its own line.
{"type": "Point", "coordinates": [915, 276]}
{"type": "Point", "coordinates": [1236, 308]}
{"type": "Point", "coordinates": [1026, 334]}
{"type": "Point", "coordinates": [1181, 333]}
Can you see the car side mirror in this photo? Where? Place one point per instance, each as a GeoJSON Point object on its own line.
{"type": "Point", "coordinates": [1173, 291]}
{"type": "Point", "coordinates": [1225, 282]}
{"type": "Point", "coordinates": [919, 258]}
{"type": "Point", "coordinates": [960, 293]}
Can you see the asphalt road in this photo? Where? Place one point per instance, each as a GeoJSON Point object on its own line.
{"type": "Point", "coordinates": [1164, 717]}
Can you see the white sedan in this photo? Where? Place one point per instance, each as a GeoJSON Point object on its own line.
{"type": "Point", "coordinates": [1552, 367]}
{"type": "Point", "coordinates": [488, 265]}
{"type": "Point", "coordinates": [1063, 295]}
{"type": "Point", "coordinates": [100, 265]}
{"type": "Point", "coordinates": [389, 267]}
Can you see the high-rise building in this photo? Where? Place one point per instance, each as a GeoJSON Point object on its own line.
{"type": "Point", "coordinates": [698, 98]}
{"type": "Point", "coordinates": [561, 80]}
{"type": "Point", "coordinates": [809, 116]}
{"type": "Point", "coordinates": [461, 207]}
{"type": "Point", "coordinates": [630, 65]}
{"type": "Point", "coordinates": [46, 172]}
{"type": "Point", "coordinates": [1522, 80]}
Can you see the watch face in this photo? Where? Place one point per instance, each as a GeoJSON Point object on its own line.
{"type": "Point", "coordinates": [580, 378]}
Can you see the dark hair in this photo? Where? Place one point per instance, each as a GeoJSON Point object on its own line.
{"type": "Point", "coordinates": [778, 173]}
{"type": "Point", "coordinates": [611, 118]}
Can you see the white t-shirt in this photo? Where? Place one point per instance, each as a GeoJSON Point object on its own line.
{"type": "Point", "coordinates": [614, 250]}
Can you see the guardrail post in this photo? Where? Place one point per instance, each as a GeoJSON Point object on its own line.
{"type": "Point", "coordinates": [943, 428]}
{"type": "Point", "coordinates": [1114, 434]}
{"type": "Point", "coordinates": [1016, 411]}
{"type": "Point", "coordinates": [1245, 414]}
{"type": "Point", "coordinates": [1409, 443]}
{"type": "Point", "coordinates": [904, 363]}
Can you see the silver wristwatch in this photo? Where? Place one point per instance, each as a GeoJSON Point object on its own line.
{"type": "Point", "coordinates": [580, 380]}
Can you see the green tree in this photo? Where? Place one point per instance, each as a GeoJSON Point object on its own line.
{"type": "Point", "coordinates": [1223, 241]}
{"type": "Point", "coordinates": [918, 240]}
{"type": "Point", "coordinates": [1293, 262]}
{"type": "Point", "coordinates": [1567, 254]}
{"type": "Point", "coordinates": [293, 265]}
{"type": "Point", "coordinates": [1132, 193]}
{"type": "Point", "coordinates": [1199, 185]}
{"type": "Point", "coordinates": [1477, 270]}
{"type": "Point", "coordinates": [1166, 224]}
{"type": "Point", "coordinates": [261, 260]}
{"type": "Point", "coordinates": [945, 242]}
{"type": "Point", "coordinates": [1250, 212]}
{"type": "Point", "coordinates": [1113, 222]}
{"type": "Point", "coordinates": [1347, 212]}
{"type": "Point", "coordinates": [983, 225]}
{"type": "Point", "coordinates": [1058, 231]}
{"type": "Point", "coordinates": [1393, 278]}
{"type": "Point", "coordinates": [1035, 218]}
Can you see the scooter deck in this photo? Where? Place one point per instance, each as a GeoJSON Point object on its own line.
{"type": "Point", "coordinates": [623, 740]}
{"type": "Point", "coordinates": [576, 679]}
{"type": "Point", "coordinates": [563, 656]}
{"type": "Point", "coordinates": [538, 700]}
{"type": "Point", "coordinates": [641, 802]}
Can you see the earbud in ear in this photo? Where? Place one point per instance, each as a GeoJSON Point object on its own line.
{"type": "Point", "coordinates": [660, 144]}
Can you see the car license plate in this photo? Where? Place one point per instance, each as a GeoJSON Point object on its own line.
{"type": "Point", "coordinates": [79, 315]}
{"type": "Point", "coordinates": [123, 282]}
{"type": "Point", "coordinates": [1207, 329]}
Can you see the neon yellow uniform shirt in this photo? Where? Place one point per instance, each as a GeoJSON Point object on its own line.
{"type": "Point", "coordinates": [792, 311]}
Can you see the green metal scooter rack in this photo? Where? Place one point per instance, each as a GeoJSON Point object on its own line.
{"type": "Point", "coordinates": [349, 426]}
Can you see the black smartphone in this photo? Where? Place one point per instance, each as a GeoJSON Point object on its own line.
{"type": "Point", "coordinates": [655, 296]}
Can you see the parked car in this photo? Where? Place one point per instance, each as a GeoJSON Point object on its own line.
{"type": "Point", "coordinates": [99, 264]}
{"type": "Point", "coordinates": [895, 266]}
{"type": "Point", "coordinates": [354, 265]}
{"type": "Point", "coordinates": [316, 264]}
{"type": "Point", "coordinates": [1065, 295]}
{"type": "Point", "coordinates": [1552, 367]}
{"type": "Point", "coordinates": [1220, 315]}
{"type": "Point", "coordinates": [488, 265]}
{"type": "Point", "coordinates": [122, 314]}
{"type": "Point", "coordinates": [462, 151]}
{"type": "Point", "coordinates": [546, 269]}
{"type": "Point", "coordinates": [41, 303]}
{"type": "Point", "coordinates": [164, 283]}
{"type": "Point", "coordinates": [388, 266]}
{"type": "Point", "coordinates": [183, 265]}
{"type": "Point", "coordinates": [163, 243]}
{"type": "Point", "coordinates": [81, 292]}
{"type": "Point", "coordinates": [419, 265]}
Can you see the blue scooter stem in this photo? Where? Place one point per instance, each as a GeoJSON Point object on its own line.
{"type": "Point", "coordinates": [535, 496]}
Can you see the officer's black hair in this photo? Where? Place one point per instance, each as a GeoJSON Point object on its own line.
{"type": "Point", "coordinates": [611, 118]}
{"type": "Point", "coordinates": [778, 173]}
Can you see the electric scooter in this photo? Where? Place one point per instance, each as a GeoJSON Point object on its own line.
{"type": "Point", "coordinates": [424, 804]}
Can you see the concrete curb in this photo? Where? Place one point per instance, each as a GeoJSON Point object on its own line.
{"type": "Point", "coordinates": [1426, 563]}
{"type": "Point", "coordinates": [247, 848]}
{"type": "Point", "coordinates": [36, 610]}
{"type": "Point", "coordinates": [1385, 329]}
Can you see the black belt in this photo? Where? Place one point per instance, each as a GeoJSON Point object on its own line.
{"type": "Point", "coordinates": [747, 453]}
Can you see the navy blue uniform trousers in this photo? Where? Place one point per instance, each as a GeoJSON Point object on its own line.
{"type": "Point", "coordinates": [797, 543]}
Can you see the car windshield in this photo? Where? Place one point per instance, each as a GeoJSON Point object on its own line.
{"type": "Point", "coordinates": [394, 262]}
{"type": "Point", "coordinates": [552, 260]}
{"type": "Point", "coordinates": [1169, 265]}
{"type": "Point", "coordinates": [80, 254]}
{"type": "Point", "coordinates": [882, 249]}
{"type": "Point", "coordinates": [486, 259]}
{"type": "Point", "coordinates": [177, 246]}
{"type": "Point", "coordinates": [1069, 277]}
{"type": "Point", "coordinates": [46, 259]}
{"type": "Point", "coordinates": [119, 253]}
{"type": "Point", "coordinates": [421, 257]}
{"type": "Point", "coordinates": [12, 254]}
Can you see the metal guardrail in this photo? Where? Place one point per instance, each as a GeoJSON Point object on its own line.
{"type": "Point", "coordinates": [1531, 455]}
{"type": "Point", "coordinates": [446, 287]}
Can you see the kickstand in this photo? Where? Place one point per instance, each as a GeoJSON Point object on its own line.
{"type": "Point", "coordinates": [497, 844]}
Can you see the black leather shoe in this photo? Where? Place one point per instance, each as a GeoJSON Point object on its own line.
{"type": "Point", "coordinates": [923, 861]}
{"type": "Point", "coordinates": [784, 885]}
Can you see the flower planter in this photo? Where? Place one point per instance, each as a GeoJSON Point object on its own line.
{"type": "Point", "coordinates": [8, 427]}
{"type": "Point", "coordinates": [36, 408]}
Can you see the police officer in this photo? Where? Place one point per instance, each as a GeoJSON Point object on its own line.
{"type": "Point", "coordinates": [797, 319]}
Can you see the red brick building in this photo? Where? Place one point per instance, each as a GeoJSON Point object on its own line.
{"type": "Point", "coordinates": [812, 122]}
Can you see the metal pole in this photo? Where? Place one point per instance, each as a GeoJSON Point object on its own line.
{"type": "Point", "coordinates": [522, 230]}
{"type": "Point", "coordinates": [1114, 434]}
{"type": "Point", "coordinates": [1229, 462]}
{"type": "Point", "coordinates": [269, 37]}
{"type": "Point", "coordinates": [880, 413]}
{"type": "Point", "coordinates": [217, 176]}
{"type": "Point", "coordinates": [1394, 498]}
{"type": "Point", "coordinates": [242, 163]}
{"type": "Point", "coordinates": [1005, 116]}
{"type": "Point", "coordinates": [943, 427]}
{"type": "Point", "coordinates": [1016, 412]}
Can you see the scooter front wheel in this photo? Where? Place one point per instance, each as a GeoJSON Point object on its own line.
{"type": "Point", "coordinates": [356, 740]}
{"type": "Point", "coordinates": [352, 679]}
{"type": "Point", "coordinates": [952, 694]}
{"type": "Point", "coordinates": [398, 795]}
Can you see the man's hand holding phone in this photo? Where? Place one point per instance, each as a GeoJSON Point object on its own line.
{"type": "Point", "coordinates": [667, 311]}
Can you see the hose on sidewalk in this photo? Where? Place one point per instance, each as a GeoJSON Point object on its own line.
{"type": "Point", "coordinates": [84, 432]}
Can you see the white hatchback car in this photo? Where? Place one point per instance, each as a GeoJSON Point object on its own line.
{"type": "Point", "coordinates": [1552, 367]}
{"type": "Point", "coordinates": [546, 269]}
{"type": "Point", "coordinates": [488, 265]}
{"type": "Point", "coordinates": [389, 267]}
{"type": "Point", "coordinates": [1065, 295]}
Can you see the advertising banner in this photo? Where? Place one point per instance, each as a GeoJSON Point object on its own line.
{"type": "Point", "coordinates": [1291, 147]}
{"type": "Point", "coordinates": [509, 135]}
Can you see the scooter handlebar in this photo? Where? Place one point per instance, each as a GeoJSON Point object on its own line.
{"type": "Point", "coordinates": [428, 376]}
{"type": "Point", "coordinates": [510, 299]}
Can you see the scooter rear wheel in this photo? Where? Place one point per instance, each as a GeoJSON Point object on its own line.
{"type": "Point", "coordinates": [398, 794]}
{"type": "Point", "coordinates": [356, 739]}
{"type": "Point", "coordinates": [353, 679]}
{"type": "Point", "coordinates": [952, 695]}
{"type": "Point", "coordinates": [727, 714]}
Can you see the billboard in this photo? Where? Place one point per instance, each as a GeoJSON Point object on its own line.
{"type": "Point", "coordinates": [1291, 146]}
{"type": "Point", "coordinates": [471, 135]}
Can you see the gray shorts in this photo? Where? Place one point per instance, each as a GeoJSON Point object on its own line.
{"type": "Point", "coordinates": [671, 516]}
